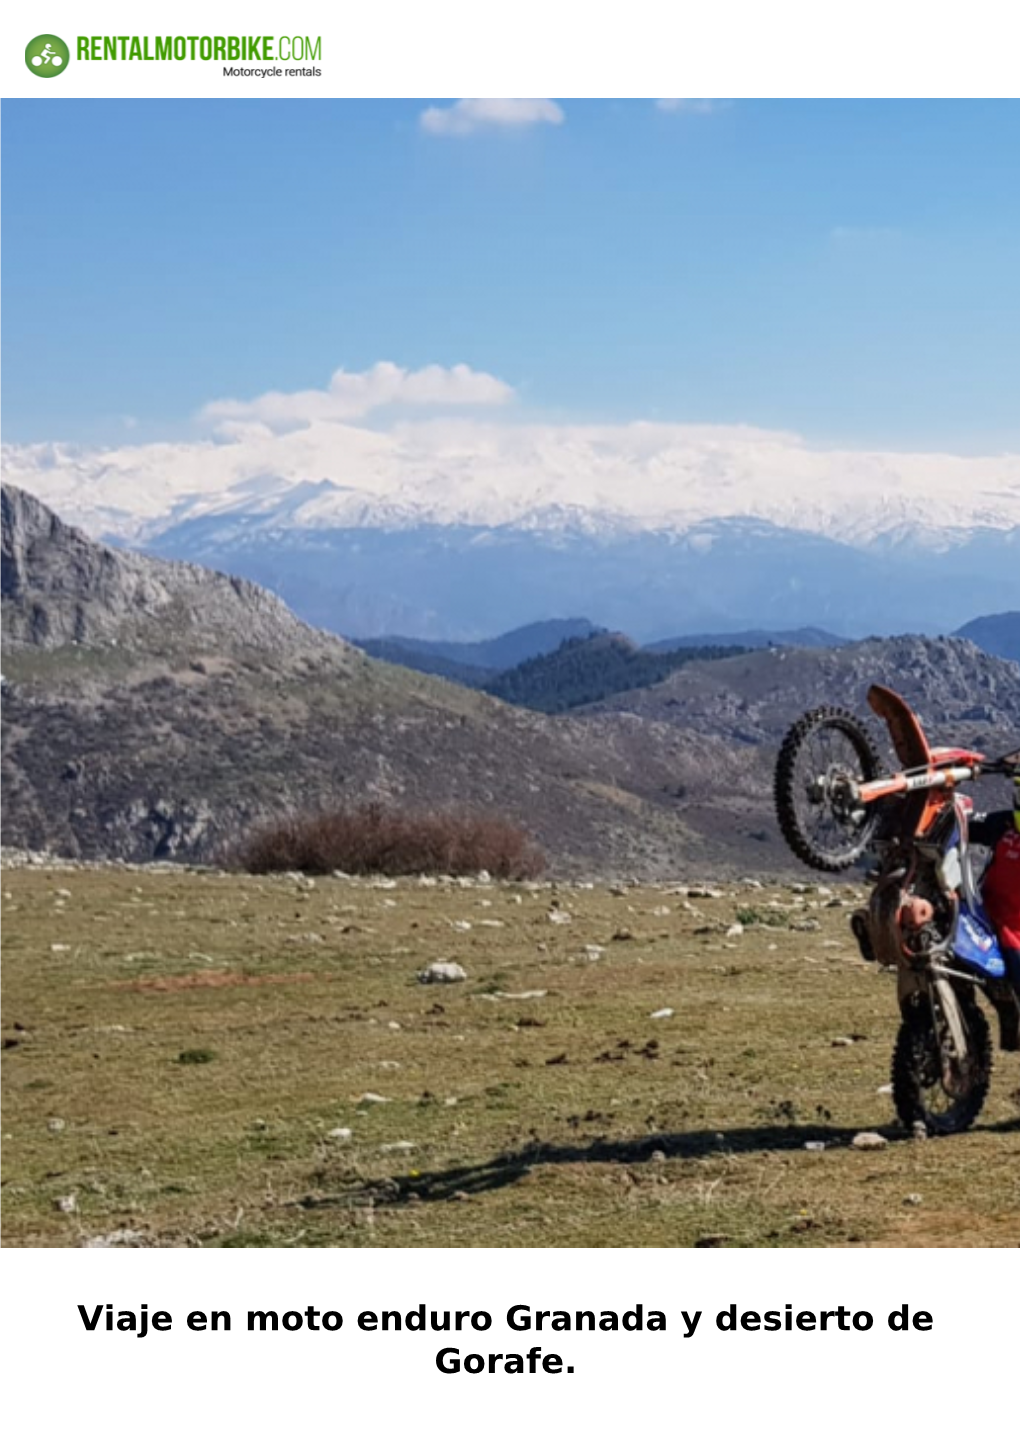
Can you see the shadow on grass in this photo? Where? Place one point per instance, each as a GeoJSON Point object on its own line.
{"type": "Point", "coordinates": [509, 1167]}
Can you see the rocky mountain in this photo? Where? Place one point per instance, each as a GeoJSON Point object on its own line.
{"type": "Point", "coordinates": [961, 693]}
{"type": "Point", "coordinates": [999, 635]}
{"type": "Point", "coordinates": [155, 710]}
{"type": "Point", "coordinates": [60, 588]}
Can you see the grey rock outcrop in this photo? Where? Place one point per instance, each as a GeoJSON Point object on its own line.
{"type": "Point", "coordinates": [61, 588]}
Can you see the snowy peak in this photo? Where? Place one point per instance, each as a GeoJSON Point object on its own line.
{"type": "Point", "coordinates": [588, 480]}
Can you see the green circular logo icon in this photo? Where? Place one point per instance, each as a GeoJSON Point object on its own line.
{"type": "Point", "coordinates": [46, 56]}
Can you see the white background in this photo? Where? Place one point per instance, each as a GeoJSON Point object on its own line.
{"type": "Point", "coordinates": [181, 1385]}
{"type": "Point", "coordinates": [557, 48]}
{"type": "Point", "coordinates": [63, 1380]}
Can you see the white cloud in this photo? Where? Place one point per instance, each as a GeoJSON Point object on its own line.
{"type": "Point", "coordinates": [465, 117]}
{"type": "Point", "coordinates": [351, 394]}
{"type": "Point", "coordinates": [693, 107]}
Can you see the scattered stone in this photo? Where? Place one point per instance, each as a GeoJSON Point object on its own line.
{"type": "Point", "coordinates": [623, 934]}
{"type": "Point", "coordinates": [511, 995]}
{"type": "Point", "coordinates": [657, 1156]}
{"type": "Point", "coordinates": [594, 953]}
{"type": "Point", "coordinates": [341, 1134]}
{"type": "Point", "coordinates": [397, 1147]}
{"type": "Point", "coordinates": [736, 929]}
{"type": "Point", "coordinates": [56, 1124]}
{"type": "Point", "coordinates": [842, 1041]}
{"type": "Point", "coordinates": [123, 1237]}
{"type": "Point", "coordinates": [394, 1026]}
{"type": "Point", "coordinates": [814, 1146]}
{"type": "Point", "coordinates": [461, 925]}
{"type": "Point", "coordinates": [913, 1199]}
{"type": "Point", "coordinates": [885, 1090]}
{"type": "Point", "coordinates": [869, 1142]}
{"type": "Point", "coordinates": [59, 946]}
{"type": "Point", "coordinates": [66, 1204]}
{"type": "Point", "coordinates": [371, 1099]}
{"type": "Point", "coordinates": [442, 971]}
{"type": "Point", "coordinates": [559, 917]}
{"type": "Point", "coordinates": [663, 1014]}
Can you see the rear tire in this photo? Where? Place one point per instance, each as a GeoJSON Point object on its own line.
{"type": "Point", "coordinates": [918, 1090]}
{"type": "Point", "coordinates": [814, 828]}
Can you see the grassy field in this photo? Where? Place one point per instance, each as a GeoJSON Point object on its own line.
{"type": "Point", "coordinates": [190, 1059]}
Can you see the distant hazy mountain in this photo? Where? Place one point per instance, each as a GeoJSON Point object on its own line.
{"type": "Point", "coordinates": [998, 635]}
{"type": "Point", "coordinates": [810, 636]}
{"type": "Point", "coordinates": [496, 654]}
{"type": "Point", "coordinates": [721, 576]}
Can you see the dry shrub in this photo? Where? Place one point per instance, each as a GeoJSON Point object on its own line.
{"type": "Point", "coordinates": [371, 840]}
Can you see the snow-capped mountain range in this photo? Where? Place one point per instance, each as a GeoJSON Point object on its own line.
{"type": "Point", "coordinates": [459, 527]}
{"type": "Point", "coordinates": [641, 477]}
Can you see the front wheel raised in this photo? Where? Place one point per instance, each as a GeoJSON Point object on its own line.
{"type": "Point", "coordinates": [927, 1092]}
{"type": "Point", "coordinates": [823, 759]}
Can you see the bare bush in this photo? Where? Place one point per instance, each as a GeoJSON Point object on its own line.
{"type": "Point", "coordinates": [371, 840]}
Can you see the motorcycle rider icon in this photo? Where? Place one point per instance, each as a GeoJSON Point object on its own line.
{"type": "Point", "coordinates": [47, 56]}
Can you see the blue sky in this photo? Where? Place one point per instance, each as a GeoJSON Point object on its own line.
{"type": "Point", "coordinates": [848, 270]}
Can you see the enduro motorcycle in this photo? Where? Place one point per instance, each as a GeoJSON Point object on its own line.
{"type": "Point", "coordinates": [835, 801]}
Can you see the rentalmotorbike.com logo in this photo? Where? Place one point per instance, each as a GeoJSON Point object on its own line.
{"type": "Point", "coordinates": [46, 56]}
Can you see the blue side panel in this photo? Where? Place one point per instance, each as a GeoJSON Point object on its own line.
{"type": "Point", "coordinates": [975, 942]}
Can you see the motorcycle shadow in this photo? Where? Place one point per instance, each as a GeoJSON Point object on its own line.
{"type": "Point", "coordinates": [509, 1167]}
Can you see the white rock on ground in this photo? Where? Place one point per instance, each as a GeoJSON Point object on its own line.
{"type": "Point", "coordinates": [442, 971]}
